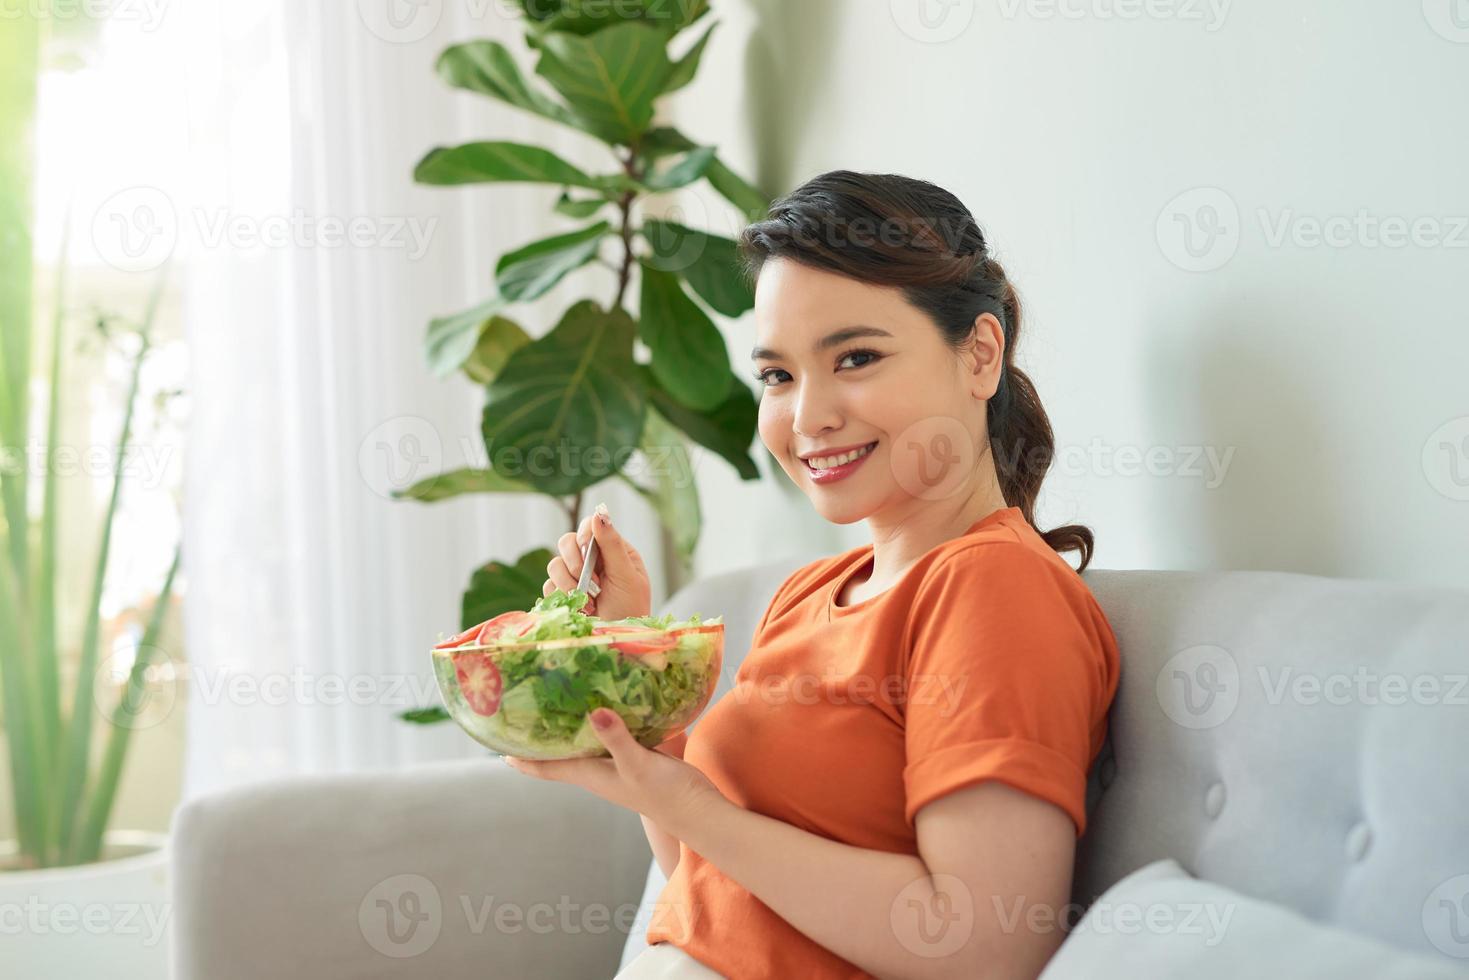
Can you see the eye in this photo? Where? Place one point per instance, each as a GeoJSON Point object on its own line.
{"type": "Point", "coordinates": [875, 357]}
{"type": "Point", "coordinates": [761, 377]}
{"type": "Point", "coordinates": [862, 353]}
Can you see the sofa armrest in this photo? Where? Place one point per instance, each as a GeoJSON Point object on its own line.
{"type": "Point", "coordinates": [456, 869]}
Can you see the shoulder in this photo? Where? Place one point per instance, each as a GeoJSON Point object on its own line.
{"type": "Point", "coordinates": [1006, 580]}
{"type": "Point", "coordinates": [1000, 555]}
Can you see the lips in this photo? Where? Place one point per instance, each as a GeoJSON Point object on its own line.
{"type": "Point", "coordinates": [869, 447]}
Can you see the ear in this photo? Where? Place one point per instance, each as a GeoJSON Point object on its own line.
{"type": "Point", "coordinates": [985, 355]}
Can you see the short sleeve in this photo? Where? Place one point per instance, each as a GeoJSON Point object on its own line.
{"type": "Point", "coordinates": [1009, 671]}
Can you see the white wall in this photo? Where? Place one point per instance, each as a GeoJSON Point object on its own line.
{"type": "Point", "coordinates": [1325, 371]}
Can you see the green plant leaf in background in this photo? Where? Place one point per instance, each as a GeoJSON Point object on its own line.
{"type": "Point", "coordinates": [683, 173]}
{"type": "Point", "coordinates": [531, 270]}
{"type": "Point", "coordinates": [590, 16]}
{"type": "Point", "coordinates": [689, 356]}
{"type": "Point", "coordinates": [488, 68]}
{"type": "Point", "coordinates": [709, 262]}
{"type": "Point", "coordinates": [499, 337]}
{"type": "Point", "coordinates": [686, 67]}
{"type": "Point", "coordinates": [584, 208]}
{"type": "Point", "coordinates": [728, 429]}
{"type": "Point", "coordinates": [490, 161]}
{"type": "Point", "coordinates": [752, 204]}
{"type": "Point", "coordinates": [27, 741]}
{"type": "Point", "coordinates": [609, 78]}
{"type": "Point", "coordinates": [572, 391]}
{"type": "Point", "coordinates": [442, 486]}
{"type": "Point", "coordinates": [497, 588]}
{"type": "Point", "coordinates": [668, 485]}
{"type": "Point", "coordinates": [451, 339]}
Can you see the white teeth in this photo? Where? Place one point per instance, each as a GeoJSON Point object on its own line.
{"type": "Point", "coordinates": [827, 462]}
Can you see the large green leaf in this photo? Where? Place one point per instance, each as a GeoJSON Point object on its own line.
{"type": "Point", "coordinates": [664, 140]}
{"type": "Point", "coordinates": [451, 339]}
{"type": "Point", "coordinates": [690, 359]}
{"type": "Point", "coordinates": [532, 269]}
{"type": "Point", "coordinates": [590, 16]}
{"type": "Point", "coordinates": [499, 588]}
{"type": "Point", "coordinates": [487, 67]}
{"type": "Point", "coordinates": [668, 485]}
{"type": "Point", "coordinates": [683, 173]}
{"type": "Point", "coordinates": [752, 204]}
{"type": "Point", "coordinates": [566, 408]}
{"type": "Point", "coordinates": [710, 263]}
{"type": "Point", "coordinates": [498, 161]}
{"type": "Point", "coordinates": [728, 430]}
{"type": "Point", "coordinates": [609, 78]}
{"type": "Point", "coordinates": [499, 337]}
{"type": "Point", "coordinates": [686, 67]}
{"type": "Point", "coordinates": [455, 483]}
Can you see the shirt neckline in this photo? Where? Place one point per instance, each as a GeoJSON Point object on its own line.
{"type": "Point", "coordinates": [864, 558]}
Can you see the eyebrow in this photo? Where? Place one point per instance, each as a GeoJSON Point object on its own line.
{"type": "Point", "coordinates": [832, 339]}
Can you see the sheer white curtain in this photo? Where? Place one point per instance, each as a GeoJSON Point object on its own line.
{"type": "Point", "coordinates": [313, 266]}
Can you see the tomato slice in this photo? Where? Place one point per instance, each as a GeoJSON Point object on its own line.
{"type": "Point", "coordinates": [648, 643]}
{"type": "Point", "coordinates": [507, 625]}
{"type": "Point", "coordinates": [479, 682]}
{"type": "Point", "coordinates": [703, 628]}
{"type": "Point", "coordinates": [458, 638]}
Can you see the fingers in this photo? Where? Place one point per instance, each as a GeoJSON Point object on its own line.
{"type": "Point", "coordinates": [570, 554]}
{"type": "Point", "coordinates": [558, 577]}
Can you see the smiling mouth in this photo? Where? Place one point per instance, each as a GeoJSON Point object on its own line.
{"type": "Point", "coordinates": [866, 451]}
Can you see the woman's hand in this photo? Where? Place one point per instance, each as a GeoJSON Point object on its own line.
{"type": "Point", "coordinates": [620, 572]}
{"type": "Point", "coordinates": [653, 782]}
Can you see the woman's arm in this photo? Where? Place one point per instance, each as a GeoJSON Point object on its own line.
{"type": "Point", "coordinates": [664, 844]}
{"type": "Point", "coordinates": [985, 900]}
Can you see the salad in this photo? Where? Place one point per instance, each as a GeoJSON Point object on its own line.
{"type": "Point", "coordinates": [526, 683]}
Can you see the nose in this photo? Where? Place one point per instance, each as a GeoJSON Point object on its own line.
{"type": "Point", "coordinates": [815, 412]}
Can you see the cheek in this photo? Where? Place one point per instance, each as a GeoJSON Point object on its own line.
{"type": "Point", "coordinates": [774, 424]}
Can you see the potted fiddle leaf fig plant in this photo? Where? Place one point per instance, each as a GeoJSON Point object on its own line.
{"type": "Point", "coordinates": [567, 410]}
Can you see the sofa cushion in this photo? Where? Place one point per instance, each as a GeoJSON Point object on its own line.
{"type": "Point", "coordinates": [1160, 921]}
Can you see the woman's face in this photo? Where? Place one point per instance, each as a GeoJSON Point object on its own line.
{"type": "Point", "coordinates": [847, 364]}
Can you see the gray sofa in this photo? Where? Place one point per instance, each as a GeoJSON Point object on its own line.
{"type": "Point", "coordinates": [1290, 746]}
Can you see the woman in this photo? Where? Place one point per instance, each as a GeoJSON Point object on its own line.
{"type": "Point", "coordinates": [895, 783]}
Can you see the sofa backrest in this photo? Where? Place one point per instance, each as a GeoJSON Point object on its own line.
{"type": "Point", "coordinates": [1298, 738]}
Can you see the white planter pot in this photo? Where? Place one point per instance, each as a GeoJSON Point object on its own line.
{"type": "Point", "coordinates": [111, 918]}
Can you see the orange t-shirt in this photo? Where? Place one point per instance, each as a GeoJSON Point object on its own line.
{"type": "Point", "coordinates": [989, 659]}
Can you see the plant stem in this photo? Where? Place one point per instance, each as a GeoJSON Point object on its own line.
{"type": "Point", "coordinates": [99, 802]}
{"type": "Point", "coordinates": [79, 729]}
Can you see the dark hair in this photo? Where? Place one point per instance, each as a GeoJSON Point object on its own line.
{"type": "Point", "coordinates": [891, 230]}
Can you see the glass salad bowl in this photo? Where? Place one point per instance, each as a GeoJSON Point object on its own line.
{"type": "Point", "coordinates": [525, 683]}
